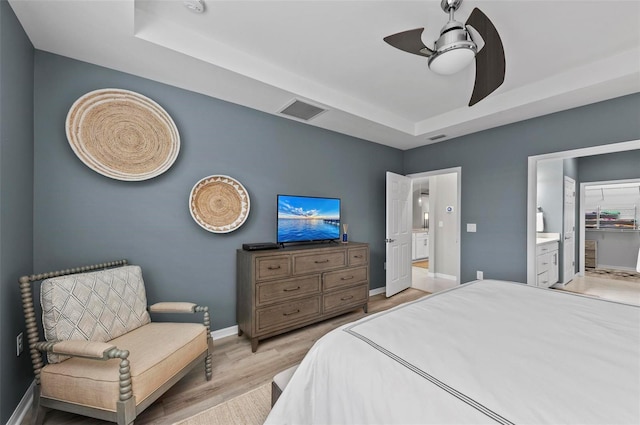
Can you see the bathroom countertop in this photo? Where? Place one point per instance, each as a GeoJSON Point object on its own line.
{"type": "Point", "coordinates": [542, 238]}
{"type": "Point", "coordinates": [420, 230]}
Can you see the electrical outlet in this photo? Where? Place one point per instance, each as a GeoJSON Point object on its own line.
{"type": "Point", "coordinates": [19, 345]}
{"type": "Point", "coordinates": [479, 275]}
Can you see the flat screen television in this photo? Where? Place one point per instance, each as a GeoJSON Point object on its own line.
{"type": "Point", "coordinates": [308, 219]}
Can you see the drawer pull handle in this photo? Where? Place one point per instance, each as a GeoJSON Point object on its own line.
{"type": "Point", "coordinates": [323, 261]}
{"type": "Point", "coordinates": [346, 298]}
{"type": "Point", "coordinates": [291, 313]}
{"type": "Point", "coordinates": [274, 267]}
{"type": "Point", "coordinates": [346, 278]}
{"type": "Point", "coordinates": [358, 256]}
{"type": "Point", "coordinates": [291, 289]}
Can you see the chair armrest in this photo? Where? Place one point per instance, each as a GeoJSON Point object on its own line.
{"type": "Point", "coordinates": [173, 307]}
{"type": "Point", "coordinates": [96, 351]}
{"type": "Point", "coordinates": [78, 348]}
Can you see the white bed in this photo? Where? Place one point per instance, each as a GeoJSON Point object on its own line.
{"type": "Point", "coordinates": [485, 352]}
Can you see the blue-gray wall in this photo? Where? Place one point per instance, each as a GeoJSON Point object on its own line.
{"type": "Point", "coordinates": [82, 217]}
{"type": "Point", "coordinates": [494, 176]}
{"type": "Point", "coordinates": [611, 166]}
{"type": "Point", "coordinates": [16, 202]}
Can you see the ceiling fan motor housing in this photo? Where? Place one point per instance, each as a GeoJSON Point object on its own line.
{"type": "Point", "coordinates": [476, 39]}
{"type": "Point", "coordinates": [452, 36]}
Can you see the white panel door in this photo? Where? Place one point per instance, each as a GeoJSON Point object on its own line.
{"type": "Point", "coordinates": [569, 229]}
{"type": "Point", "coordinates": [398, 233]}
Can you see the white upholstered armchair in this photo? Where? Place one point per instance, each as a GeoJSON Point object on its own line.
{"type": "Point", "coordinates": [106, 359]}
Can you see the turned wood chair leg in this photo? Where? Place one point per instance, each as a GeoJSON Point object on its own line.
{"type": "Point", "coordinates": [208, 364]}
{"type": "Point", "coordinates": [207, 367]}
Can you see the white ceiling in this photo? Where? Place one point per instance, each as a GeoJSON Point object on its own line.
{"type": "Point", "coordinates": [263, 54]}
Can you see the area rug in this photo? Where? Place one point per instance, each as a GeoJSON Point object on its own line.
{"type": "Point", "coordinates": [250, 408]}
{"type": "Point", "coordinates": [629, 276]}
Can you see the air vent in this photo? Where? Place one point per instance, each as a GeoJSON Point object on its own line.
{"type": "Point", "coordinates": [439, 136]}
{"type": "Point", "coordinates": [301, 110]}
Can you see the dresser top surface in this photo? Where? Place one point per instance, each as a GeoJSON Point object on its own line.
{"type": "Point", "coordinates": [306, 248]}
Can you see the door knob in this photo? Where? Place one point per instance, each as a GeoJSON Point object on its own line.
{"type": "Point", "coordinates": [389, 240]}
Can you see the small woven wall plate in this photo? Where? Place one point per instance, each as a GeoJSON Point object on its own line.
{"type": "Point", "coordinates": [219, 204]}
{"type": "Point", "coordinates": [122, 134]}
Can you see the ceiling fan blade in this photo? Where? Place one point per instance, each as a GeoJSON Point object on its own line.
{"type": "Point", "coordinates": [409, 41]}
{"type": "Point", "coordinates": [490, 63]}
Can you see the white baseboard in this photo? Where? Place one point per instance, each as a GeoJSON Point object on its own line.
{"type": "Point", "coordinates": [23, 407]}
{"type": "Point", "coordinates": [445, 276]}
{"type": "Point", "coordinates": [223, 333]}
{"type": "Point", "coordinates": [377, 291]}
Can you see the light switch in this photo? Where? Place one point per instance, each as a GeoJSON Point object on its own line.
{"type": "Point", "coordinates": [471, 227]}
{"type": "Point", "coordinates": [441, 224]}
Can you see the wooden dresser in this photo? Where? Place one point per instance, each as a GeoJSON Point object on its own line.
{"type": "Point", "coordinates": [285, 289]}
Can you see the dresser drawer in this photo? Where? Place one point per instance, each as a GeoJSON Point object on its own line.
{"type": "Point", "coordinates": [282, 315]}
{"type": "Point", "coordinates": [543, 263]}
{"type": "Point", "coordinates": [543, 279]}
{"type": "Point", "coordinates": [347, 277]}
{"type": "Point", "coordinates": [358, 256]}
{"type": "Point", "coordinates": [318, 262]}
{"type": "Point", "coordinates": [268, 292]}
{"type": "Point", "coordinates": [342, 299]}
{"type": "Point", "coordinates": [282, 290]}
{"type": "Point", "coordinates": [273, 267]}
{"type": "Point", "coordinates": [546, 247]}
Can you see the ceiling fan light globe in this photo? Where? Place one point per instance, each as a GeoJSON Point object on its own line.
{"type": "Point", "coordinates": [452, 60]}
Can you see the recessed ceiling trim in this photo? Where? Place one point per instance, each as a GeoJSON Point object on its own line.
{"type": "Point", "coordinates": [183, 40]}
{"type": "Point", "coordinates": [617, 74]}
{"type": "Point", "coordinates": [176, 52]}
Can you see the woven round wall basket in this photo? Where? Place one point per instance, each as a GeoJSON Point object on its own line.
{"type": "Point", "coordinates": [219, 204]}
{"type": "Point", "coordinates": [122, 134]}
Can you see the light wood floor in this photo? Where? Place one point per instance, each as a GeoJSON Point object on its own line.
{"type": "Point", "coordinates": [626, 291]}
{"type": "Point", "coordinates": [236, 369]}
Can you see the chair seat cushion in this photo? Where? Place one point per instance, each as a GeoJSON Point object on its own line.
{"type": "Point", "coordinates": [157, 351]}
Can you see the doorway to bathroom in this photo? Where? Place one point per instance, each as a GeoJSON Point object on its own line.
{"type": "Point", "coordinates": [435, 259]}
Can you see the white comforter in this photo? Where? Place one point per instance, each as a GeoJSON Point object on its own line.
{"type": "Point", "coordinates": [486, 352]}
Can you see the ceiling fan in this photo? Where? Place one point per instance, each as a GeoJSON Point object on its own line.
{"type": "Point", "coordinates": [457, 45]}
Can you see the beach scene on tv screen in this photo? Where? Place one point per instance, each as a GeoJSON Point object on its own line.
{"type": "Point", "coordinates": [308, 219]}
